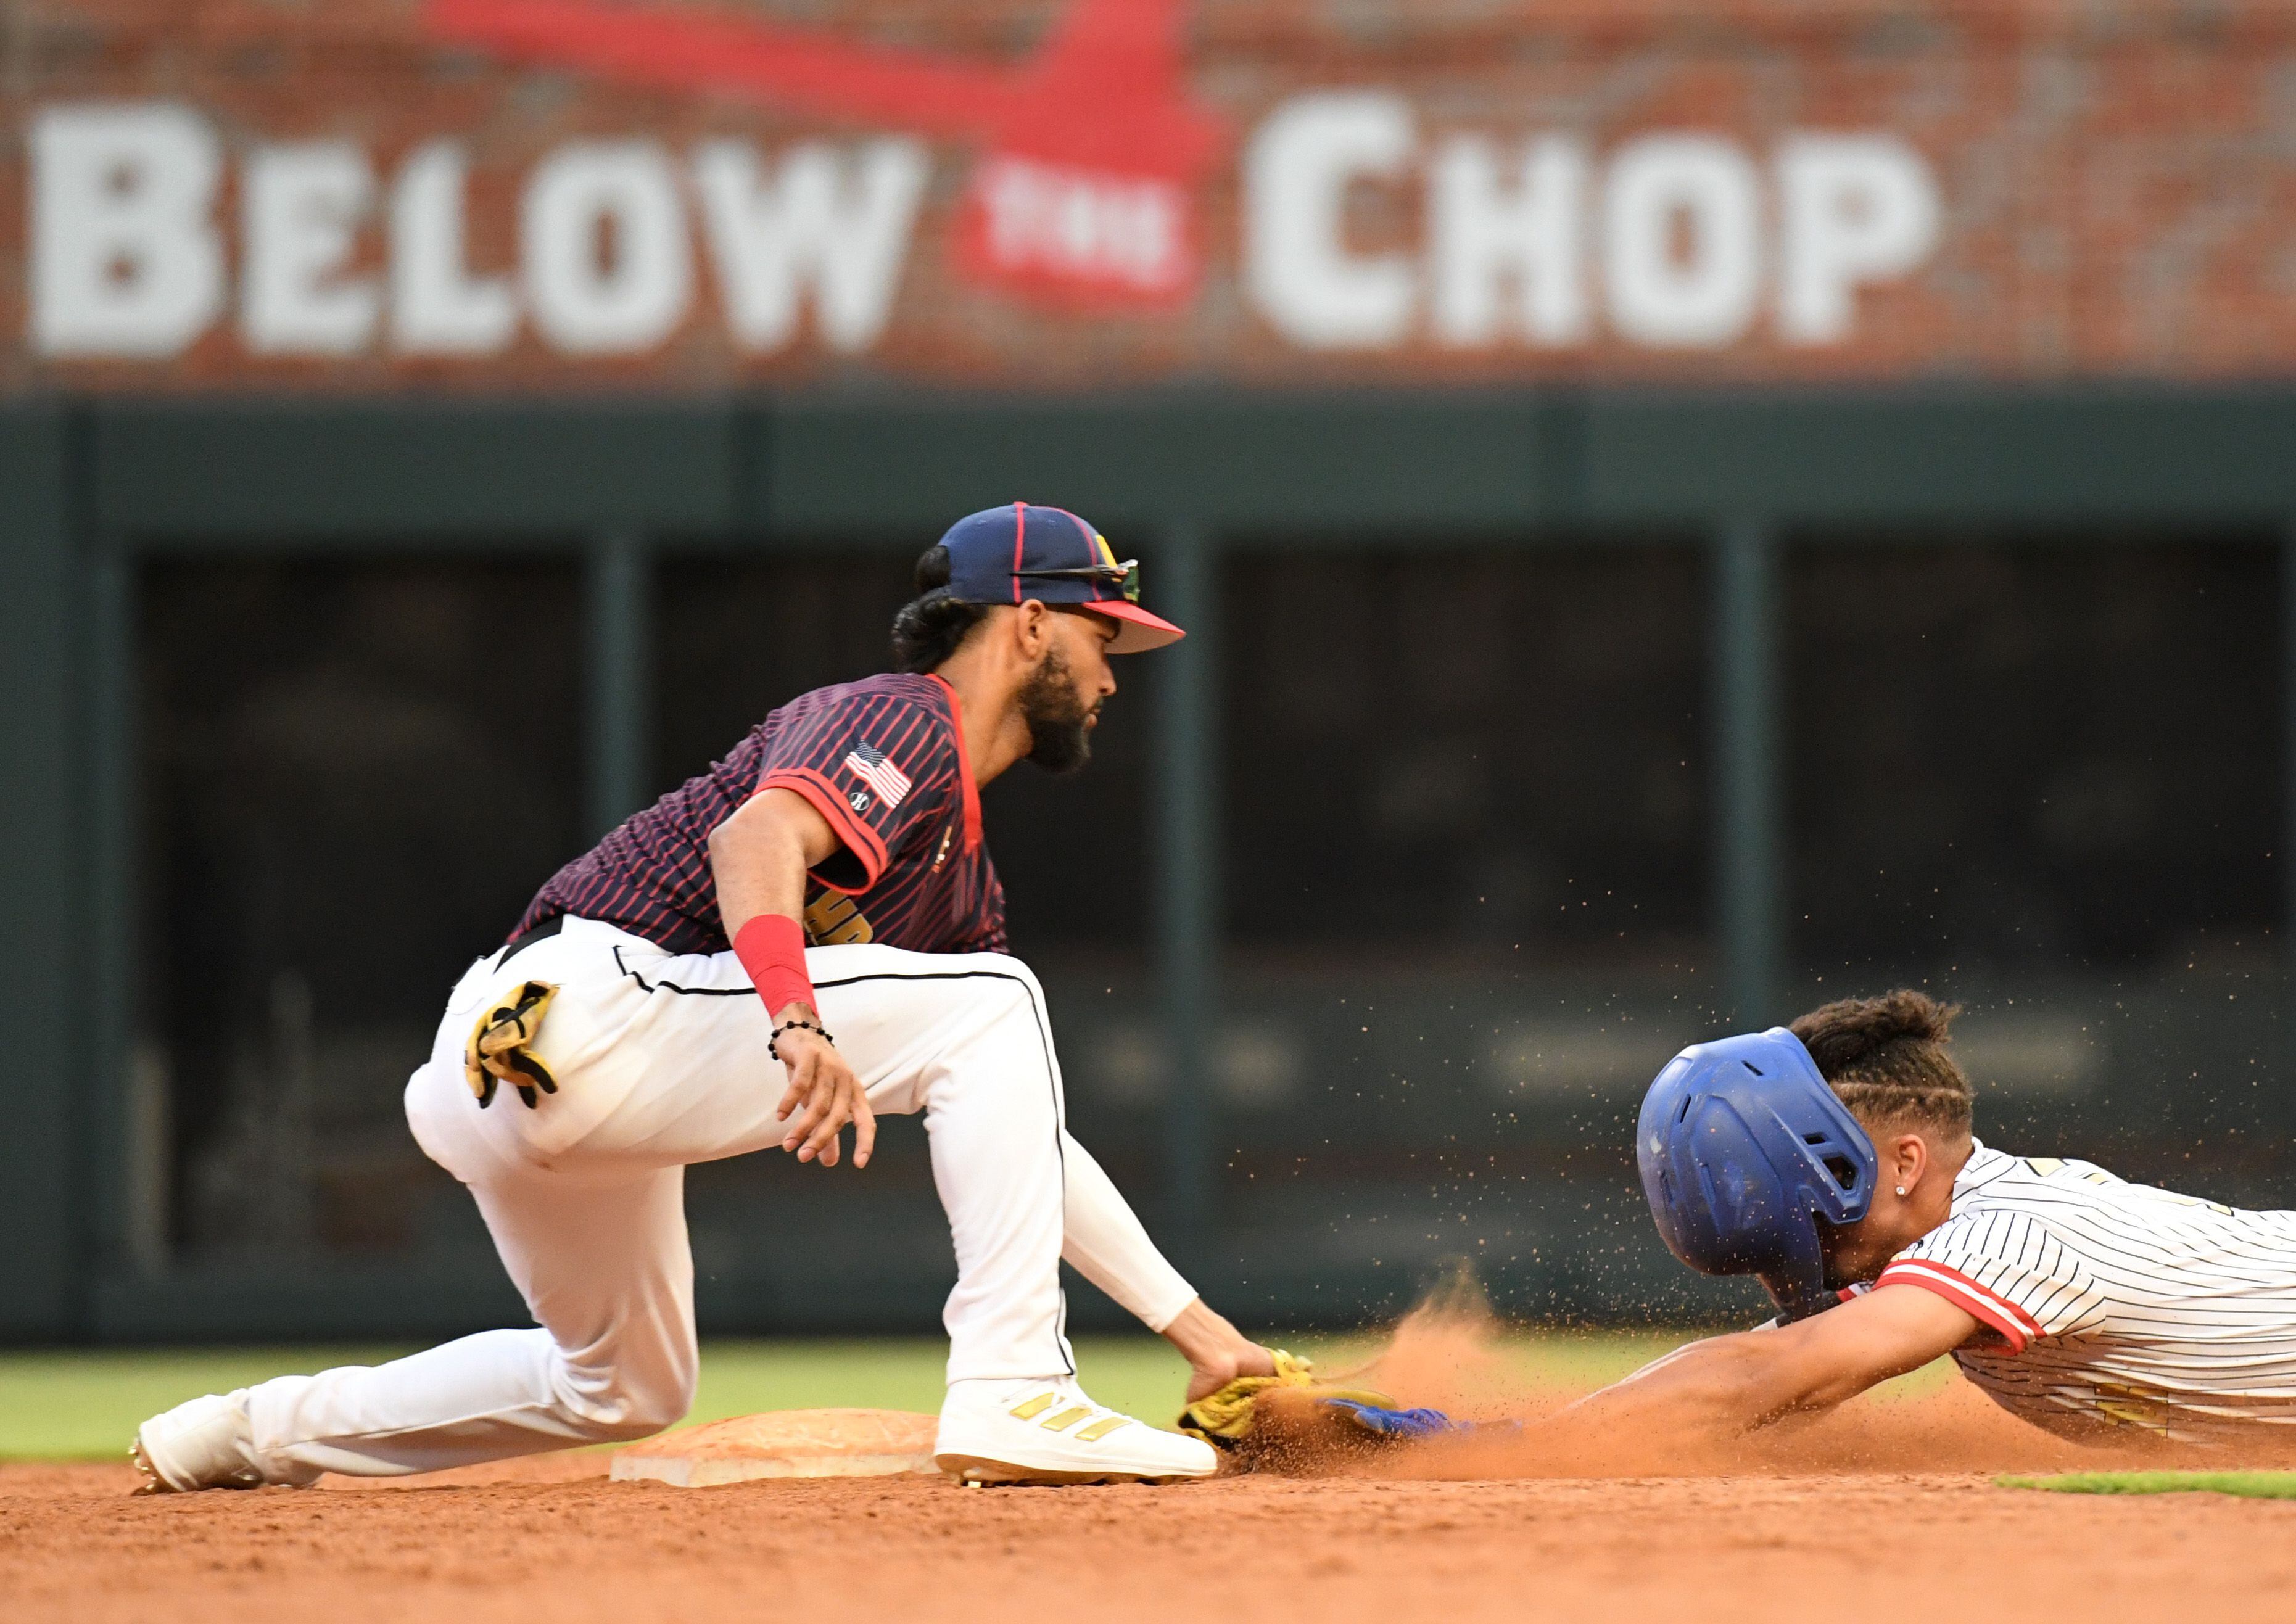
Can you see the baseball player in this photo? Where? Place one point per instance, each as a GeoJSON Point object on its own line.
{"type": "Point", "coordinates": [808, 935]}
{"type": "Point", "coordinates": [1835, 1160]}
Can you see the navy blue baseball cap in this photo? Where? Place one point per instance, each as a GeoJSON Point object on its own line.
{"type": "Point", "coordinates": [1021, 550]}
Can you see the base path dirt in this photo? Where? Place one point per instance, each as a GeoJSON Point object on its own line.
{"type": "Point", "coordinates": [553, 1541]}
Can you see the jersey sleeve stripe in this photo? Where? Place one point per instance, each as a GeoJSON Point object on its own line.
{"type": "Point", "coordinates": [970, 791]}
{"type": "Point", "coordinates": [859, 839]}
{"type": "Point", "coordinates": [2015, 1326]}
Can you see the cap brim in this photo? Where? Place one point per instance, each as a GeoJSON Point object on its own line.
{"type": "Point", "coordinates": [1137, 631]}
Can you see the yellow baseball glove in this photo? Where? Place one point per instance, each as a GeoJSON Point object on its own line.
{"type": "Point", "coordinates": [1224, 1419]}
{"type": "Point", "coordinates": [498, 1052]}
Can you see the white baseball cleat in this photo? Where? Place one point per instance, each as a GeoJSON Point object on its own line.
{"type": "Point", "coordinates": [1047, 1432]}
{"type": "Point", "coordinates": [207, 1443]}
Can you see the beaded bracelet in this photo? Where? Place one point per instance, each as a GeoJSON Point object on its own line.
{"type": "Point", "coordinates": [796, 1026]}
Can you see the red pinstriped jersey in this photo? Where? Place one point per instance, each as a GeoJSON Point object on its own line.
{"type": "Point", "coordinates": [883, 761]}
{"type": "Point", "coordinates": [2105, 1303]}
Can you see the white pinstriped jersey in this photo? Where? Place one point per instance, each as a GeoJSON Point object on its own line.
{"type": "Point", "coordinates": [2109, 1303]}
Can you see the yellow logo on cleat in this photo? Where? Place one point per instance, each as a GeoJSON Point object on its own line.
{"type": "Point", "coordinates": [1066, 1419]}
{"type": "Point", "coordinates": [1102, 1428]}
{"type": "Point", "coordinates": [1032, 1407]}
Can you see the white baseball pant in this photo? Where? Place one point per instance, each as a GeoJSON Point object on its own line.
{"type": "Point", "coordinates": [660, 1062]}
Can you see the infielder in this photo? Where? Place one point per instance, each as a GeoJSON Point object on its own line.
{"type": "Point", "coordinates": [1834, 1160]}
{"type": "Point", "coordinates": [808, 934]}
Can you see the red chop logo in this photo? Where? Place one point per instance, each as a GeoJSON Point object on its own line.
{"type": "Point", "coordinates": [1086, 193]}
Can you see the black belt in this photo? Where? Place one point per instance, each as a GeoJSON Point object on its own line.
{"type": "Point", "coordinates": [549, 927]}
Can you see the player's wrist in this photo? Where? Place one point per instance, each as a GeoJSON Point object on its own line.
{"type": "Point", "coordinates": [797, 1029]}
{"type": "Point", "coordinates": [771, 947]}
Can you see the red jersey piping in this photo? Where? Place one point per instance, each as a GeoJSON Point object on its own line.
{"type": "Point", "coordinates": [964, 763]}
{"type": "Point", "coordinates": [858, 838]}
{"type": "Point", "coordinates": [2017, 1327]}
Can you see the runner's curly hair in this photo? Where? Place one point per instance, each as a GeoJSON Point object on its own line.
{"type": "Point", "coordinates": [1886, 1058]}
{"type": "Point", "coordinates": [932, 626]}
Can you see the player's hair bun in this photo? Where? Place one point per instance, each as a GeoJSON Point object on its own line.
{"type": "Point", "coordinates": [1849, 1031]}
{"type": "Point", "coordinates": [1886, 1057]}
{"type": "Point", "coordinates": [930, 626]}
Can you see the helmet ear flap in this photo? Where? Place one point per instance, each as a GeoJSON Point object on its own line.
{"type": "Point", "coordinates": [1744, 1151]}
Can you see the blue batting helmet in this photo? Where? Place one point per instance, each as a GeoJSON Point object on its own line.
{"type": "Point", "coordinates": [1744, 1150]}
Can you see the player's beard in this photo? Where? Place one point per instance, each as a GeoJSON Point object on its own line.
{"type": "Point", "coordinates": [1059, 736]}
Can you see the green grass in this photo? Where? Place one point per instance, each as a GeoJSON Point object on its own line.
{"type": "Point", "coordinates": [2256, 1485]}
{"type": "Point", "coordinates": [79, 1405]}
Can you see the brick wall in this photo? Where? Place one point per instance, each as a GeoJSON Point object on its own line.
{"type": "Point", "coordinates": [2096, 190]}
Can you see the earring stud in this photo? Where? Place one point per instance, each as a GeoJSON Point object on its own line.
{"type": "Point", "coordinates": [1901, 1189]}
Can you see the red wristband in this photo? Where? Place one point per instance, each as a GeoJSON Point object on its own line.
{"type": "Point", "coordinates": [772, 949]}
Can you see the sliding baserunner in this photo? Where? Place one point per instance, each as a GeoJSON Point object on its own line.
{"type": "Point", "coordinates": [1835, 1159]}
{"type": "Point", "coordinates": [806, 936]}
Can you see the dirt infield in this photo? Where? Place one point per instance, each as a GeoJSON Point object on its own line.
{"type": "Point", "coordinates": [1817, 1521]}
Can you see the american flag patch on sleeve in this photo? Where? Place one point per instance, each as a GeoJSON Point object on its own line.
{"type": "Point", "coordinates": [876, 770]}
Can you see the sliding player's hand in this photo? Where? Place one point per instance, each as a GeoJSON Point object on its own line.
{"type": "Point", "coordinates": [822, 1097]}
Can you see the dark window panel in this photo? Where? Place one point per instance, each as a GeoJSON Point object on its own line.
{"type": "Point", "coordinates": [1449, 752]}
{"type": "Point", "coordinates": [2040, 757]}
{"type": "Point", "coordinates": [353, 778]}
{"type": "Point", "coordinates": [2043, 778]}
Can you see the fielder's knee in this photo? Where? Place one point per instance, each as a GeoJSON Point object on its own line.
{"type": "Point", "coordinates": [1021, 992]}
{"type": "Point", "coordinates": [614, 1405]}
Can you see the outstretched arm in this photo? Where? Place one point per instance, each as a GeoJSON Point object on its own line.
{"type": "Point", "coordinates": [1732, 1384]}
{"type": "Point", "coordinates": [1105, 1244]}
